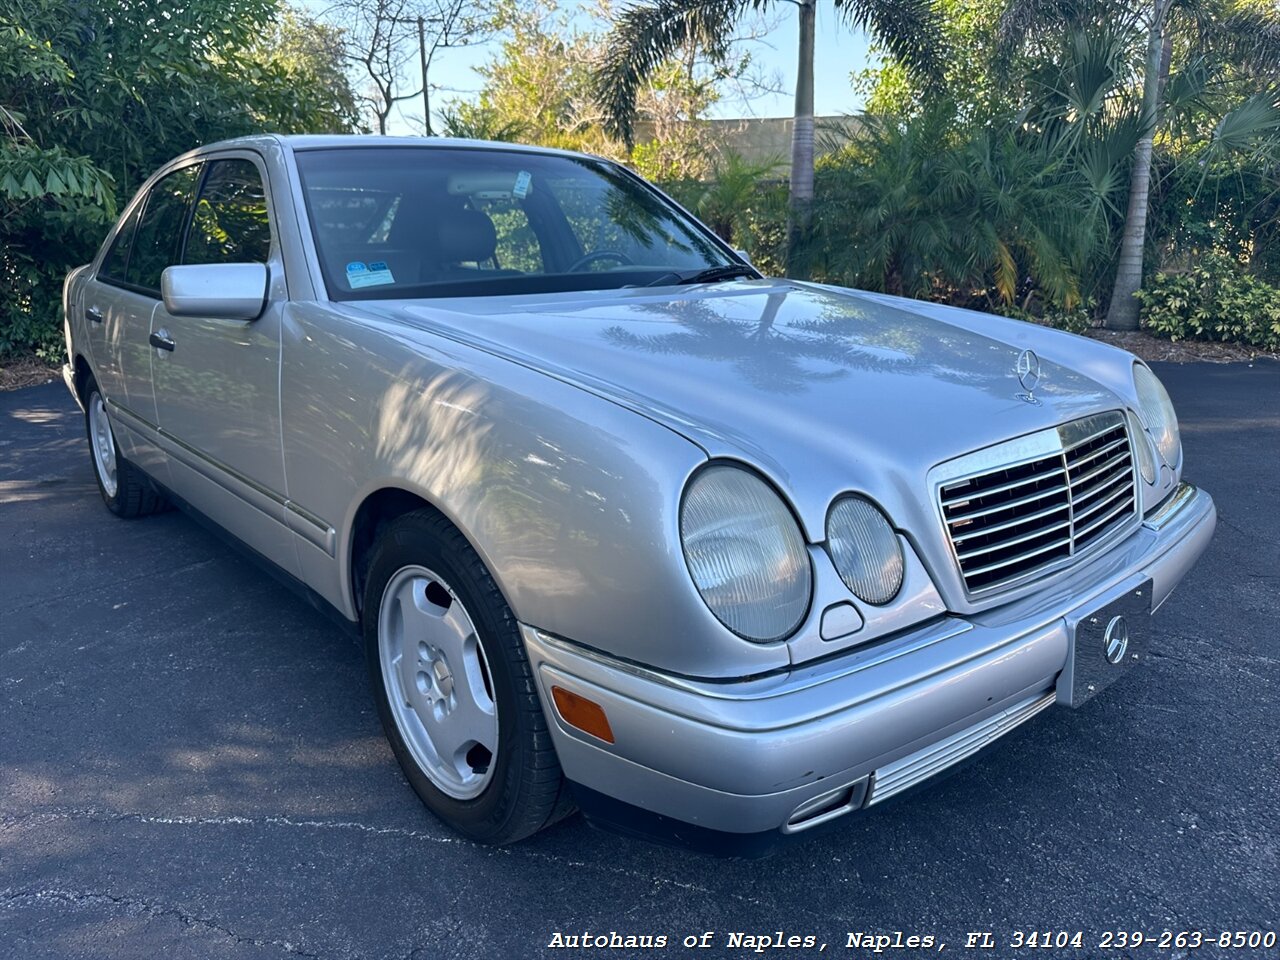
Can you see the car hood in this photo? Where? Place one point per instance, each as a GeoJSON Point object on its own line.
{"type": "Point", "coordinates": [821, 388]}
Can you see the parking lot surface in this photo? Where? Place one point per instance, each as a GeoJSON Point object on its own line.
{"type": "Point", "coordinates": [191, 765]}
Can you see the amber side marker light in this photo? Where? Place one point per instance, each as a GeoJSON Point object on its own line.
{"type": "Point", "coordinates": [586, 715]}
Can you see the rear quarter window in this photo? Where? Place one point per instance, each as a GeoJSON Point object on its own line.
{"type": "Point", "coordinates": [116, 261]}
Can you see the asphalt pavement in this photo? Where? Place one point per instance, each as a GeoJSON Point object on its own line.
{"type": "Point", "coordinates": [191, 765]}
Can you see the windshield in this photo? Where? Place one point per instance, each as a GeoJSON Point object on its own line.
{"type": "Point", "coordinates": [439, 221]}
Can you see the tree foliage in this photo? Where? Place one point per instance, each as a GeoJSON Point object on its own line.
{"type": "Point", "coordinates": [390, 46]}
{"type": "Point", "coordinates": [1058, 83]}
{"type": "Point", "coordinates": [539, 87]}
{"type": "Point", "coordinates": [94, 96]}
{"type": "Point", "coordinates": [539, 78]}
{"type": "Point", "coordinates": [923, 207]}
{"type": "Point", "coordinates": [647, 34]}
{"type": "Point", "coordinates": [306, 57]}
{"type": "Point", "coordinates": [1204, 40]}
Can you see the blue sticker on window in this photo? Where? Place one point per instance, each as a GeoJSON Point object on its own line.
{"type": "Point", "coordinates": [375, 275]}
{"type": "Point", "coordinates": [357, 266]}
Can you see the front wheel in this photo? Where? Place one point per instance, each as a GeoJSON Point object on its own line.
{"type": "Point", "coordinates": [453, 686]}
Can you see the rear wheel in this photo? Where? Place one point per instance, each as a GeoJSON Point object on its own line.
{"type": "Point", "coordinates": [453, 686]}
{"type": "Point", "coordinates": [125, 489]}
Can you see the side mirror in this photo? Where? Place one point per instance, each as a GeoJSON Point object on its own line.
{"type": "Point", "coordinates": [744, 255]}
{"type": "Point", "coordinates": [224, 291]}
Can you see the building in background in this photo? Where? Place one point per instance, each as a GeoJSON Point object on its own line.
{"type": "Point", "coordinates": [764, 139]}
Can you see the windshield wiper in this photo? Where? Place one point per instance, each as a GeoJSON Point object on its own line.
{"type": "Point", "coordinates": [728, 271]}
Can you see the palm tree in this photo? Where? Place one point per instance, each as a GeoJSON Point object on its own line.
{"type": "Point", "coordinates": [925, 206]}
{"type": "Point", "coordinates": [734, 193]}
{"type": "Point", "coordinates": [1243, 32]}
{"type": "Point", "coordinates": [649, 33]}
{"type": "Point", "coordinates": [470, 121]}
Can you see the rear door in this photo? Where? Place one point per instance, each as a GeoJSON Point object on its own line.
{"type": "Point", "coordinates": [103, 302]}
{"type": "Point", "coordinates": [218, 389]}
{"type": "Point", "coordinates": [121, 302]}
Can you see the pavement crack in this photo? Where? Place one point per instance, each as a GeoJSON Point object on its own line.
{"type": "Point", "coordinates": [98, 816]}
{"type": "Point", "coordinates": [1248, 534]}
{"type": "Point", "coordinates": [1212, 653]}
{"type": "Point", "coordinates": [11, 899]}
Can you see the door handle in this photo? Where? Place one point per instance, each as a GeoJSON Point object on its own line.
{"type": "Point", "coordinates": [162, 341]}
{"type": "Point", "coordinates": [93, 314]}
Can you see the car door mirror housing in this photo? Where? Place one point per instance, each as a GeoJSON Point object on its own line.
{"type": "Point", "coordinates": [224, 291]}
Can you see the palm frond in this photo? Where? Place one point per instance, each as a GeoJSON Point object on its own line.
{"type": "Point", "coordinates": [643, 37]}
{"type": "Point", "coordinates": [1246, 35]}
{"type": "Point", "coordinates": [911, 30]}
{"type": "Point", "coordinates": [1025, 20]}
{"type": "Point", "coordinates": [1254, 122]}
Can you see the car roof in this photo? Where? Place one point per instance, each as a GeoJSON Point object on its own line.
{"type": "Point", "coordinates": [309, 141]}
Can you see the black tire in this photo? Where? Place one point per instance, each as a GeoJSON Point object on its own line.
{"type": "Point", "coordinates": [527, 791]}
{"type": "Point", "coordinates": [135, 495]}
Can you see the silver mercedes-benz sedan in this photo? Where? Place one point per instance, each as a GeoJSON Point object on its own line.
{"type": "Point", "coordinates": [624, 525]}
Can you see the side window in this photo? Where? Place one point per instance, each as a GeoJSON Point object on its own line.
{"type": "Point", "coordinates": [117, 258]}
{"type": "Point", "coordinates": [230, 223]}
{"type": "Point", "coordinates": [160, 229]}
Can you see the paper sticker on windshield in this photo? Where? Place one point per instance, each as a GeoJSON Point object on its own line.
{"type": "Point", "coordinates": [521, 188]}
{"type": "Point", "coordinates": [372, 275]}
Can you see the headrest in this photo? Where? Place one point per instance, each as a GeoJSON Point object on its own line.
{"type": "Point", "coordinates": [465, 236]}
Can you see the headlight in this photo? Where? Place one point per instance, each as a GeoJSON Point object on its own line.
{"type": "Point", "coordinates": [746, 553]}
{"type": "Point", "coordinates": [1157, 413]}
{"type": "Point", "coordinates": [865, 550]}
{"type": "Point", "coordinates": [1142, 444]}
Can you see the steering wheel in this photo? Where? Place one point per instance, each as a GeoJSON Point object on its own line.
{"type": "Point", "coordinates": [590, 258]}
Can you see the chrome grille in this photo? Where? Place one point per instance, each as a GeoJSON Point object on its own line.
{"type": "Point", "coordinates": [1012, 522]}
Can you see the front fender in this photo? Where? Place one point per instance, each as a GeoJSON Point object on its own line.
{"type": "Point", "coordinates": [570, 499]}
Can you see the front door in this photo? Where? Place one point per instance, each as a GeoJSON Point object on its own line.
{"type": "Point", "coordinates": [218, 388]}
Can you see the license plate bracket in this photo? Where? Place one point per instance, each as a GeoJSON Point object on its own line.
{"type": "Point", "coordinates": [1105, 643]}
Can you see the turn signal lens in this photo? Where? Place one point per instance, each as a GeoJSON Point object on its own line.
{"type": "Point", "coordinates": [587, 715]}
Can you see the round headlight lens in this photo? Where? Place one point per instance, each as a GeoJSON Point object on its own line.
{"type": "Point", "coordinates": [1157, 412]}
{"type": "Point", "coordinates": [865, 550]}
{"type": "Point", "coordinates": [745, 553]}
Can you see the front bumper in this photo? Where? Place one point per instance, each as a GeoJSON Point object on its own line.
{"type": "Point", "coordinates": [782, 753]}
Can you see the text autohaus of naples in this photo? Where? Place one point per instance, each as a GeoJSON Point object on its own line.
{"type": "Point", "coordinates": [740, 940]}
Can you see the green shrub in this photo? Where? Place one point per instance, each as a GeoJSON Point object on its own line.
{"type": "Point", "coordinates": [743, 204]}
{"type": "Point", "coordinates": [29, 315]}
{"type": "Point", "coordinates": [1075, 319]}
{"type": "Point", "coordinates": [1213, 300]}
